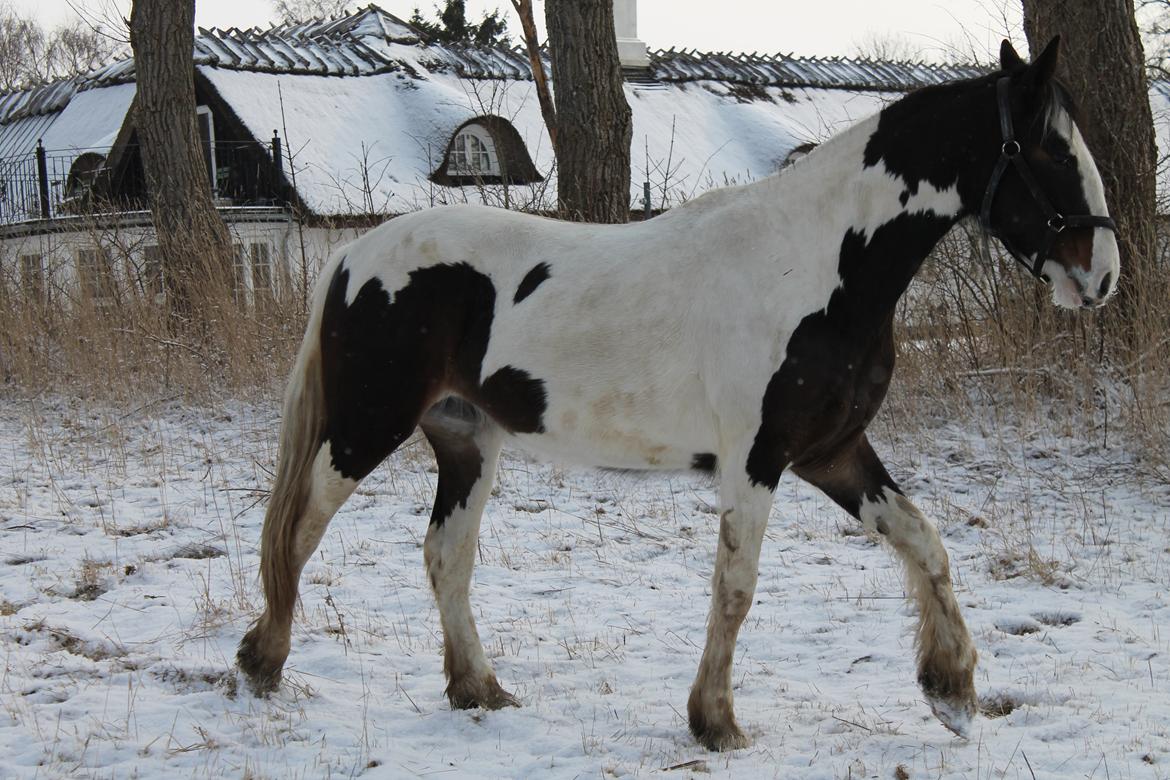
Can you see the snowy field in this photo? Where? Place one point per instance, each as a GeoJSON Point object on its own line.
{"type": "Point", "coordinates": [128, 573]}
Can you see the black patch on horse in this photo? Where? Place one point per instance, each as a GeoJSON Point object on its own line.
{"type": "Point", "coordinates": [704, 461]}
{"type": "Point", "coordinates": [935, 135]}
{"type": "Point", "coordinates": [514, 399]}
{"type": "Point", "coordinates": [384, 361]}
{"type": "Point", "coordinates": [839, 361]}
{"type": "Point", "coordinates": [531, 281]}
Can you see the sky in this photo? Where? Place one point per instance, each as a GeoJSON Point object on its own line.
{"type": "Point", "coordinates": [928, 28]}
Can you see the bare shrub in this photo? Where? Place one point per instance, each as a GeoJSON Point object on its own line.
{"type": "Point", "coordinates": [979, 333]}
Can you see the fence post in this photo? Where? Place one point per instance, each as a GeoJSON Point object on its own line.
{"type": "Point", "coordinates": [277, 160]}
{"type": "Point", "coordinates": [43, 180]}
{"type": "Point", "coordinates": [278, 163]}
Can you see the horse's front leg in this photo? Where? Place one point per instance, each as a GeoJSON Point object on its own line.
{"type": "Point", "coordinates": [855, 478]}
{"type": "Point", "coordinates": [743, 517]}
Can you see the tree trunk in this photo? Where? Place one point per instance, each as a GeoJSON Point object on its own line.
{"type": "Point", "coordinates": [1103, 63]}
{"type": "Point", "coordinates": [594, 124]}
{"type": "Point", "coordinates": [193, 240]}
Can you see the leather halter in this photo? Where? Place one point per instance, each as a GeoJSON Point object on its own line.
{"type": "Point", "coordinates": [1011, 155]}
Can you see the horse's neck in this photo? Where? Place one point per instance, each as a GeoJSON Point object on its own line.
{"type": "Point", "coordinates": [861, 209]}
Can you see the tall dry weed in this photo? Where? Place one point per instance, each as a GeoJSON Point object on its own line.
{"type": "Point", "coordinates": [121, 339]}
{"type": "Point", "coordinates": [978, 333]}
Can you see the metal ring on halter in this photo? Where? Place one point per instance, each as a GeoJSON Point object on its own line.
{"type": "Point", "coordinates": [1010, 148]}
{"type": "Point", "coordinates": [1057, 223]}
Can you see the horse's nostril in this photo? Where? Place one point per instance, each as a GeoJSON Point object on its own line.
{"type": "Point", "coordinates": [1103, 290]}
{"type": "Point", "coordinates": [1086, 301]}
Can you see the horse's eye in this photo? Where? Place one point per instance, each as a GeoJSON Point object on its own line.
{"type": "Point", "coordinates": [1064, 160]}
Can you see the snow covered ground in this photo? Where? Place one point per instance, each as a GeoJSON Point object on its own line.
{"type": "Point", "coordinates": [128, 567]}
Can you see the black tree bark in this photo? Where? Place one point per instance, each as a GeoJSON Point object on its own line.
{"type": "Point", "coordinates": [193, 240]}
{"type": "Point", "coordinates": [1103, 63]}
{"type": "Point", "coordinates": [594, 124]}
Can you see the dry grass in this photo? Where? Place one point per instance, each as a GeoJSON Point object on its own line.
{"type": "Point", "coordinates": [130, 344]}
{"type": "Point", "coordinates": [980, 336]}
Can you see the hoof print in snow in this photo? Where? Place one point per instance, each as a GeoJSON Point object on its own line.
{"type": "Point", "coordinates": [1057, 619]}
{"type": "Point", "coordinates": [198, 552]}
{"type": "Point", "coordinates": [1018, 626]}
{"type": "Point", "coordinates": [1000, 703]}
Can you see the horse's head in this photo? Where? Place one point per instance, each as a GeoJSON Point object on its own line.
{"type": "Point", "coordinates": [1045, 200]}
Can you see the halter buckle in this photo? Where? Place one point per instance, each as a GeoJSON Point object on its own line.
{"type": "Point", "coordinates": [1057, 223]}
{"type": "Point", "coordinates": [1010, 148]}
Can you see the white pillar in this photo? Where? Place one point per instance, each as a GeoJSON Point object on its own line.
{"type": "Point", "coordinates": [631, 51]}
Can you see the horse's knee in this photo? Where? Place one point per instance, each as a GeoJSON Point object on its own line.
{"type": "Point", "coordinates": [908, 530]}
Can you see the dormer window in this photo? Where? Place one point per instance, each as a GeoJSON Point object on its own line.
{"type": "Point", "coordinates": [485, 150]}
{"type": "Point", "coordinates": [474, 153]}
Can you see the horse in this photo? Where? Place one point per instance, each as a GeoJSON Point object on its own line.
{"type": "Point", "coordinates": [746, 332]}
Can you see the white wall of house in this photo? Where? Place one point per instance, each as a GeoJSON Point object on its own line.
{"type": "Point", "coordinates": [88, 263]}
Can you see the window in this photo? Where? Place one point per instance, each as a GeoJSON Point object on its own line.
{"type": "Point", "coordinates": [473, 153]}
{"type": "Point", "coordinates": [95, 272]}
{"type": "Point", "coordinates": [150, 274]}
{"type": "Point", "coordinates": [240, 274]}
{"type": "Point", "coordinates": [252, 273]}
{"type": "Point", "coordinates": [32, 277]}
{"type": "Point", "coordinates": [261, 271]}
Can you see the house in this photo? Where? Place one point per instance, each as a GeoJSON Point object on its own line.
{"type": "Point", "coordinates": [313, 132]}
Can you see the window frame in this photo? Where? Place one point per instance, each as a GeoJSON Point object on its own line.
{"type": "Point", "coordinates": [32, 285]}
{"type": "Point", "coordinates": [460, 153]}
{"type": "Point", "coordinates": [263, 278]}
{"type": "Point", "coordinates": [95, 274]}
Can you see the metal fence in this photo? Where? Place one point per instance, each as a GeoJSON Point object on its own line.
{"type": "Point", "coordinates": [49, 184]}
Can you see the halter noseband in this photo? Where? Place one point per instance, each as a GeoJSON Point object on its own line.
{"type": "Point", "coordinates": [1011, 154]}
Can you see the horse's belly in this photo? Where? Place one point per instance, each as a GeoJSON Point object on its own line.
{"type": "Point", "coordinates": [621, 430]}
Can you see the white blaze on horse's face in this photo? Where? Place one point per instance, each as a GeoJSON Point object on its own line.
{"type": "Point", "coordinates": [1086, 265]}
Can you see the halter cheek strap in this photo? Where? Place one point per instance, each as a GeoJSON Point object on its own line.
{"type": "Point", "coordinates": [1010, 155]}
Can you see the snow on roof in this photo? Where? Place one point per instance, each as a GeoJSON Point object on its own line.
{"type": "Point", "coordinates": [51, 98]}
{"type": "Point", "coordinates": [367, 145]}
{"type": "Point", "coordinates": [364, 145]}
{"type": "Point", "coordinates": [787, 70]}
{"type": "Point", "coordinates": [91, 121]}
{"type": "Point", "coordinates": [364, 43]}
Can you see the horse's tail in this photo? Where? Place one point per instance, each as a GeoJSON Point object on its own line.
{"type": "Point", "coordinates": [302, 432]}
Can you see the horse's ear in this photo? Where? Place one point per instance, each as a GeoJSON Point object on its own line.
{"type": "Point", "coordinates": [1044, 67]}
{"type": "Point", "coordinates": [1008, 58]}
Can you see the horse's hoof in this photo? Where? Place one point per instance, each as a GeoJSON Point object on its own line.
{"type": "Point", "coordinates": [485, 692]}
{"type": "Point", "coordinates": [956, 713]}
{"type": "Point", "coordinates": [953, 703]}
{"type": "Point", "coordinates": [262, 674]}
{"type": "Point", "coordinates": [720, 739]}
{"type": "Point", "coordinates": [718, 734]}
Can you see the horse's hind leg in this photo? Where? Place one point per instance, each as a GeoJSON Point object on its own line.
{"type": "Point", "coordinates": [856, 480]}
{"type": "Point", "coordinates": [290, 536]}
{"type": "Point", "coordinates": [466, 445]}
{"type": "Point", "coordinates": [325, 451]}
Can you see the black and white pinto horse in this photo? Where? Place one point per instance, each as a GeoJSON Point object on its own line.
{"type": "Point", "coordinates": [746, 332]}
